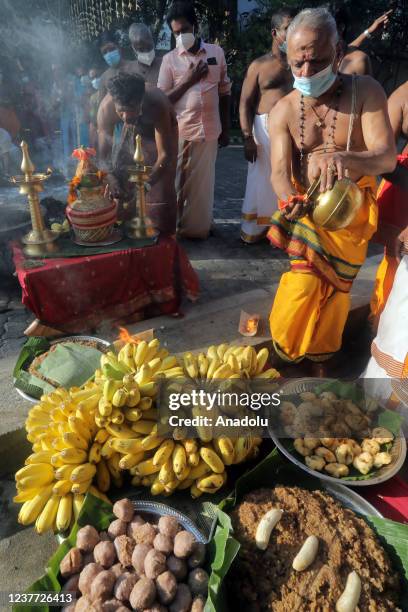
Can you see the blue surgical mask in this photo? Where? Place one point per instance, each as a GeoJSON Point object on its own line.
{"type": "Point", "coordinates": [317, 84]}
{"type": "Point", "coordinates": [283, 47]}
{"type": "Point", "coordinates": [96, 83]}
{"type": "Point", "coordinates": [112, 58]}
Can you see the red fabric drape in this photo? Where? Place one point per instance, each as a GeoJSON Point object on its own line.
{"type": "Point", "coordinates": [81, 292]}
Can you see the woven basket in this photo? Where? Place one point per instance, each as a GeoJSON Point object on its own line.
{"type": "Point", "coordinates": [93, 225]}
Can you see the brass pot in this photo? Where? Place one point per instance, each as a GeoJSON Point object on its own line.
{"type": "Point", "coordinates": [336, 208]}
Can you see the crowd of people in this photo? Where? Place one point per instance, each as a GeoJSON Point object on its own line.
{"type": "Point", "coordinates": [309, 109]}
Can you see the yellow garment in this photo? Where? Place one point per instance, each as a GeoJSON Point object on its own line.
{"type": "Point", "coordinates": [312, 302]}
{"type": "Point", "coordinates": [383, 284]}
{"type": "Point", "coordinates": [308, 317]}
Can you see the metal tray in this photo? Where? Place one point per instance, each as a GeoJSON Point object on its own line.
{"type": "Point", "coordinates": [398, 451]}
{"type": "Point", "coordinates": [157, 509]}
{"type": "Point", "coordinates": [350, 499]}
{"type": "Point", "coordinates": [104, 343]}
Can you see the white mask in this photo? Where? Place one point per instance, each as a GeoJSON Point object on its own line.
{"type": "Point", "coordinates": [185, 41]}
{"type": "Point", "coordinates": [147, 57]}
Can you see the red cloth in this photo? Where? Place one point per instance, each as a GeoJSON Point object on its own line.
{"type": "Point", "coordinates": [77, 293]}
{"type": "Point", "coordinates": [392, 210]}
{"type": "Point", "coordinates": [390, 498]}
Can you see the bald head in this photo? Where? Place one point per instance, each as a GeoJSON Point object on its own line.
{"type": "Point", "coordinates": [141, 38]}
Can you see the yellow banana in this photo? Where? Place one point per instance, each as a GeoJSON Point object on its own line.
{"type": "Point", "coordinates": [107, 451]}
{"type": "Point", "coordinates": [120, 431]}
{"type": "Point", "coordinates": [46, 518]}
{"type": "Point", "coordinates": [225, 448]}
{"type": "Point", "coordinates": [99, 494]}
{"type": "Point", "coordinates": [224, 371]}
{"type": "Point", "coordinates": [125, 356]}
{"type": "Point", "coordinates": [133, 398]}
{"type": "Point", "coordinates": [113, 466]}
{"type": "Point", "coordinates": [26, 495]}
{"type": "Point", "coordinates": [64, 472]}
{"type": "Point", "coordinates": [176, 372]}
{"type": "Point", "coordinates": [212, 459]}
{"type": "Point", "coordinates": [73, 455]}
{"type": "Point", "coordinates": [233, 363]}
{"type": "Point", "coordinates": [102, 476]}
{"type": "Point", "coordinates": [101, 421]}
{"type": "Point", "coordinates": [101, 436]}
{"type": "Point", "coordinates": [90, 403]}
{"type": "Point", "coordinates": [80, 488]}
{"type": "Point", "coordinates": [190, 365]}
{"type": "Point", "coordinates": [130, 460]}
{"type": "Point", "coordinates": [30, 510]}
{"type": "Point", "coordinates": [204, 431]}
{"type": "Point", "coordinates": [126, 445]}
{"type": "Point", "coordinates": [210, 484]}
{"type": "Point", "coordinates": [105, 406]}
{"type": "Point", "coordinates": [139, 353]}
{"type": "Point", "coordinates": [143, 427]}
{"type": "Point", "coordinates": [109, 388]}
{"type": "Point", "coordinates": [242, 448]}
{"type": "Point", "coordinates": [77, 503]}
{"type": "Point", "coordinates": [203, 364]}
{"type": "Point", "coordinates": [145, 404]}
{"type": "Point", "coordinates": [190, 445]}
{"type": "Point", "coordinates": [39, 457]}
{"type": "Point", "coordinates": [119, 398]}
{"type": "Point", "coordinates": [214, 365]}
{"type": "Point", "coordinates": [133, 414]}
{"type": "Point", "coordinates": [221, 350]}
{"type": "Point", "coordinates": [62, 487]}
{"type": "Point", "coordinates": [151, 442]}
{"type": "Point", "coordinates": [43, 472]}
{"type": "Point", "coordinates": [168, 363]}
{"type": "Point", "coordinates": [146, 468]}
{"type": "Point", "coordinates": [270, 373]}
{"type": "Point", "coordinates": [171, 486]}
{"type": "Point", "coordinates": [184, 474]}
{"type": "Point", "coordinates": [144, 375]}
{"type": "Point", "coordinates": [154, 365]}
{"type": "Point", "coordinates": [212, 352]}
{"type": "Point", "coordinates": [151, 415]}
{"type": "Point", "coordinates": [79, 427]}
{"type": "Point", "coordinates": [193, 459]}
{"type": "Point", "coordinates": [163, 453]}
{"type": "Point", "coordinates": [185, 484]}
{"type": "Point", "coordinates": [117, 416]}
{"type": "Point", "coordinates": [148, 389]}
{"type": "Point", "coordinates": [195, 491]}
{"type": "Point", "coordinates": [152, 349]}
{"type": "Point", "coordinates": [157, 488]}
{"type": "Point", "coordinates": [83, 472]}
{"type": "Point", "coordinates": [64, 513]}
{"type": "Point", "coordinates": [179, 459]}
{"type": "Point", "coordinates": [200, 470]}
{"type": "Point", "coordinates": [261, 359]}
{"type": "Point", "coordinates": [75, 441]}
{"type": "Point", "coordinates": [166, 473]}
{"type": "Point", "coordinates": [163, 353]}
{"type": "Point", "coordinates": [95, 455]}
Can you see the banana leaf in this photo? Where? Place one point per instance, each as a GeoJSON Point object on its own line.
{"type": "Point", "coordinates": [94, 512]}
{"type": "Point", "coordinates": [275, 470]}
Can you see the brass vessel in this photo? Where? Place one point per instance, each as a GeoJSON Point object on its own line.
{"type": "Point", "coordinates": [336, 208]}
{"type": "Point", "coordinates": [40, 240]}
{"type": "Point", "coordinates": [140, 226]}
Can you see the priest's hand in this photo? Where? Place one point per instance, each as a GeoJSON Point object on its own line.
{"type": "Point", "coordinates": [250, 149]}
{"type": "Point", "coordinates": [295, 207]}
{"type": "Point", "coordinates": [327, 166]}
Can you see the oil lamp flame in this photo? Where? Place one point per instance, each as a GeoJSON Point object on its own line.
{"type": "Point", "coordinates": [126, 337]}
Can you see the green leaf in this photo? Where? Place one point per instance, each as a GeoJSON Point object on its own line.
{"type": "Point", "coordinates": [391, 420]}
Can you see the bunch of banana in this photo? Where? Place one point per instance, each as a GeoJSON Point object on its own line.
{"type": "Point", "coordinates": [228, 361]}
{"type": "Point", "coordinates": [66, 447]}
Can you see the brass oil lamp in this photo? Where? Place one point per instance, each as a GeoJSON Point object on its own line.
{"type": "Point", "coordinates": [40, 239]}
{"type": "Point", "coordinates": [140, 226]}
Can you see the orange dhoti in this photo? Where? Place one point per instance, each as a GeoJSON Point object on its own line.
{"type": "Point", "coordinates": [392, 219]}
{"type": "Point", "coordinates": [312, 302]}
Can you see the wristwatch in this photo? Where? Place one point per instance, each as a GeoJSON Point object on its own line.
{"type": "Point", "coordinates": [367, 34]}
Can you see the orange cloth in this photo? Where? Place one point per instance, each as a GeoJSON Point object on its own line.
{"type": "Point", "coordinates": [198, 114]}
{"type": "Point", "coordinates": [383, 284]}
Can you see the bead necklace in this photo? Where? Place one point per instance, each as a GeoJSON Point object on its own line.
{"type": "Point", "coordinates": [319, 124]}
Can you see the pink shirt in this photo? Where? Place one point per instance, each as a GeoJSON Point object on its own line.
{"type": "Point", "coordinates": [197, 110]}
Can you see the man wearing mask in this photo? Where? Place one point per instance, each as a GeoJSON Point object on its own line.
{"type": "Point", "coordinates": [194, 77]}
{"type": "Point", "coordinates": [268, 79]}
{"type": "Point", "coordinates": [148, 60]}
{"type": "Point", "coordinates": [113, 56]}
{"type": "Point", "coordinates": [331, 125]}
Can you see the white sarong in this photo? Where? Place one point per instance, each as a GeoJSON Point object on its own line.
{"type": "Point", "coordinates": [195, 182]}
{"type": "Point", "coordinates": [389, 362]}
{"type": "Point", "coordinates": [260, 200]}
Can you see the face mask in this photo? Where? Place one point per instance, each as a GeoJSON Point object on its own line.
{"type": "Point", "coordinates": [112, 58]}
{"type": "Point", "coordinates": [185, 41]}
{"type": "Point", "coordinates": [96, 83]}
{"type": "Point", "coordinates": [317, 84]}
{"type": "Point", "coordinates": [147, 57]}
{"type": "Point", "coordinates": [283, 46]}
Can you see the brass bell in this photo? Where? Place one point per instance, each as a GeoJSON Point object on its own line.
{"type": "Point", "coordinates": [336, 208]}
